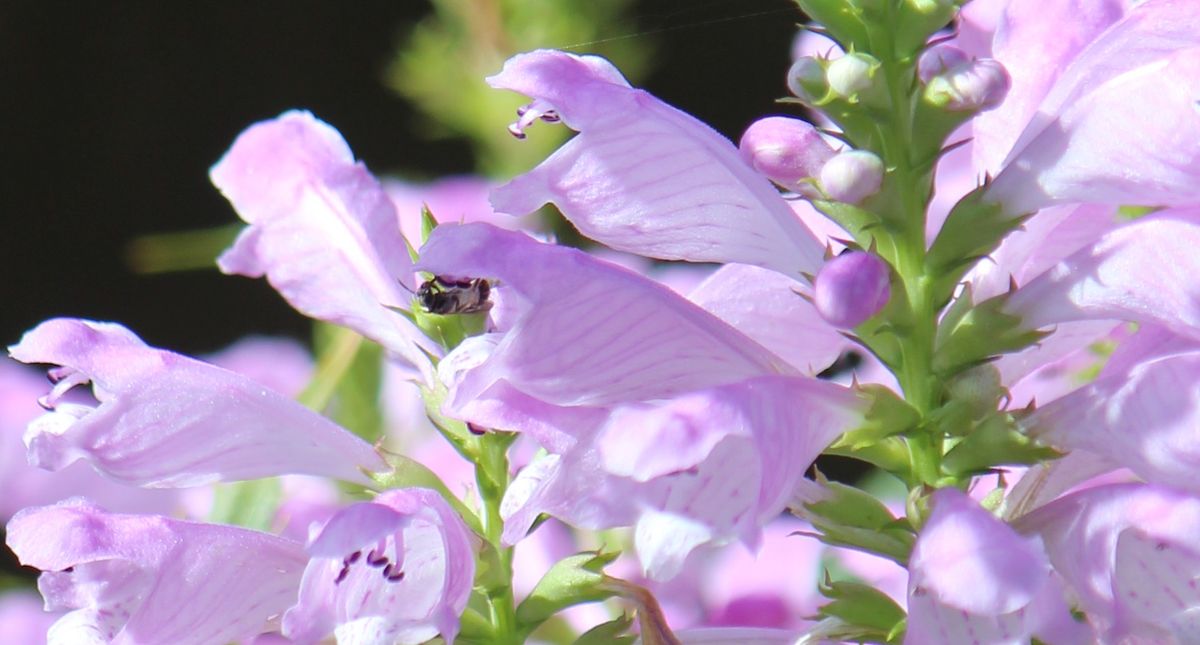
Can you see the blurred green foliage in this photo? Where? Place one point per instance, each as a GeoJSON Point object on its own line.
{"type": "Point", "coordinates": [444, 58]}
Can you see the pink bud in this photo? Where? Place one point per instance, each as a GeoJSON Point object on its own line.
{"type": "Point", "coordinates": [851, 288]}
{"type": "Point", "coordinates": [785, 150]}
{"type": "Point", "coordinates": [973, 86]}
{"type": "Point", "coordinates": [852, 176]}
{"type": "Point", "coordinates": [940, 59]}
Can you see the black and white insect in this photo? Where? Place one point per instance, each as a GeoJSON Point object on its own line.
{"type": "Point", "coordinates": [447, 297]}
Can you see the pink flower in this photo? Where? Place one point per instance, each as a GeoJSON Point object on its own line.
{"type": "Point", "coordinates": [322, 229]}
{"type": "Point", "coordinates": [972, 579]}
{"type": "Point", "coordinates": [398, 569]}
{"type": "Point", "coordinates": [165, 420]}
{"type": "Point", "coordinates": [146, 578]}
{"type": "Point", "coordinates": [851, 288]}
{"type": "Point", "coordinates": [644, 177]}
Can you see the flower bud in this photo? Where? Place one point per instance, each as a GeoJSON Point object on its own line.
{"type": "Point", "coordinates": [852, 74]}
{"type": "Point", "coordinates": [785, 150]}
{"type": "Point", "coordinates": [851, 288]}
{"type": "Point", "coordinates": [806, 79]}
{"type": "Point", "coordinates": [939, 60]}
{"type": "Point", "coordinates": [852, 176]}
{"type": "Point", "coordinates": [973, 86]}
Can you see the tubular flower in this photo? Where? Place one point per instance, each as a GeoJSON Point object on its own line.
{"type": "Point", "coordinates": [398, 569]}
{"type": "Point", "coordinates": [165, 420]}
{"type": "Point", "coordinates": [151, 579]}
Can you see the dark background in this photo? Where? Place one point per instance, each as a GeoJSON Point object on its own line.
{"type": "Point", "coordinates": [111, 114]}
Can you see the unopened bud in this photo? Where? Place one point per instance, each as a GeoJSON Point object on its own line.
{"type": "Point", "coordinates": [974, 86]}
{"type": "Point", "coordinates": [852, 74]}
{"type": "Point", "coordinates": [785, 150]}
{"type": "Point", "coordinates": [806, 79]}
{"type": "Point", "coordinates": [852, 176]}
{"type": "Point", "coordinates": [940, 59]}
{"type": "Point", "coordinates": [851, 288]}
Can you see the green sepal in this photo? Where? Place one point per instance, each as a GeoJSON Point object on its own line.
{"type": "Point", "coordinates": [889, 454]}
{"type": "Point", "coordinates": [917, 21]}
{"type": "Point", "coordinates": [449, 330]}
{"type": "Point", "coordinates": [842, 20]}
{"type": "Point", "coordinates": [887, 415]}
{"type": "Point", "coordinates": [250, 504]}
{"type": "Point", "coordinates": [614, 632]}
{"type": "Point", "coordinates": [849, 506]}
{"type": "Point", "coordinates": [847, 516]}
{"type": "Point", "coordinates": [409, 473]}
{"type": "Point", "coordinates": [428, 223]}
{"type": "Point", "coordinates": [862, 606]}
{"type": "Point", "coordinates": [994, 442]}
{"type": "Point", "coordinates": [933, 123]}
{"type": "Point", "coordinates": [571, 581]}
{"type": "Point", "coordinates": [866, 227]}
{"type": "Point", "coordinates": [984, 331]}
{"type": "Point", "coordinates": [972, 230]}
{"type": "Point", "coordinates": [473, 626]}
{"type": "Point", "coordinates": [455, 431]}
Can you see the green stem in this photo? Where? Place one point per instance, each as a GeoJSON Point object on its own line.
{"type": "Point", "coordinates": [491, 474]}
{"type": "Point", "coordinates": [912, 185]}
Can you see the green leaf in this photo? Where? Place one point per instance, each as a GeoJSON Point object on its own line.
{"type": "Point", "coordinates": [251, 504]}
{"type": "Point", "coordinates": [345, 385]}
{"type": "Point", "coordinates": [615, 631]}
{"type": "Point", "coordinates": [860, 605]}
{"type": "Point", "coordinates": [995, 442]}
{"type": "Point", "coordinates": [571, 581]}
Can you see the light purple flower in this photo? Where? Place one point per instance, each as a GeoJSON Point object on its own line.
{"type": "Point", "coordinates": [1090, 141]}
{"type": "Point", "coordinates": [644, 177]}
{"type": "Point", "coordinates": [851, 288]}
{"type": "Point", "coordinates": [147, 578]}
{"type": "Point", "coordinates": [584, 333]}
{"type": "Point", "coordinates": [398, 569]}
{"type": "Point", "coordinates": [974, 580]}
{"type": "Point", "coordinates": [767, 307]}
{"type": "Point", "coordinates": [22, 619]}
{"type": "Point", "coordinates": [322, 229]}
{"type": "Point", "coordinates": [705, 467]}
{"type": "Point", "coordinates": [1129, 554]}
{"type": "Point", "coordinates": [1141, 412]}
{"type": "Point", "coordinates": [1035, 41]}
{"type": "Point", "coordinates": [26, 485]}
{"type": "Point", "coordinates": [165, 420]}
{"type": "Point", "coordinates": [1142, 272]}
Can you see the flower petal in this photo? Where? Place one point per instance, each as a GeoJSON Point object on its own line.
{"type": "Point", "coordinates": [1090, 143]}
{"type": "Point", "coordinates": [1035, 41]}
{"type": "Point", "coordinates": [766, 306]}
{"type": "Point", "coordinates": [1083, 533]}
{"type": "Point", "coordinates": [322, 230]}
{"type": "Point", "coordinates": [147, 578]}
{"type": "Point", "coordinates": [1142, 272]}
{"type": "Point", "coordinates": [968, 559]}
{"type": "Point", "coordinates": [591, 333]}
{"type": "Point", "coordinates": [1143, 418]}
{"type": "Point", "coordinates": [165, 420]}
{"type": "Point", "coordinates": [646, 178]}
{"type": "Point", "coordinates": [403, 586]}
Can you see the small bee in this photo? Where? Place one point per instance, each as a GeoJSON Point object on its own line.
{"type": "Point", "coordinates": [448, 297]}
